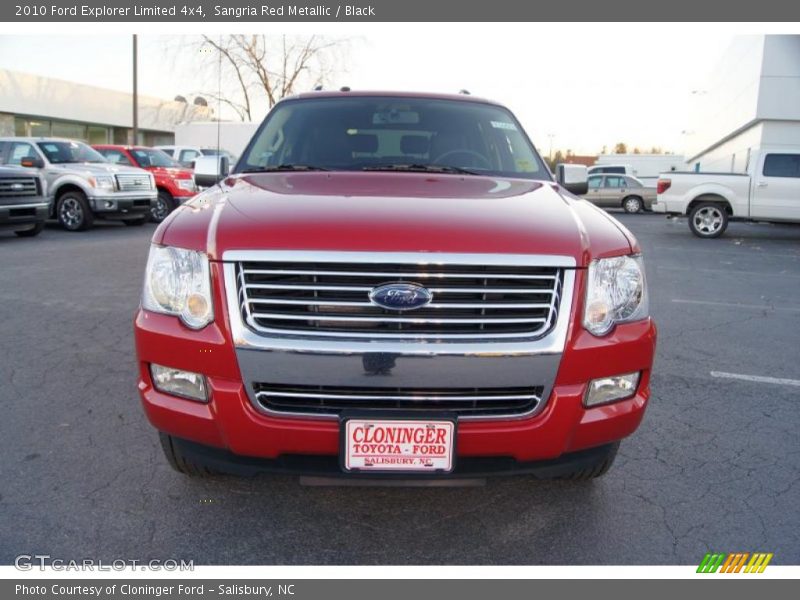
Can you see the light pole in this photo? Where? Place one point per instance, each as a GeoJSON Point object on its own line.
{"type": "Point", "coordinates": [551, 136]}
{"type": "Point", "coordinates": [135, 93]}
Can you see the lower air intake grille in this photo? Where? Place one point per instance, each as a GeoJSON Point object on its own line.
{"type": "Point", "coordinates": [331, 400]}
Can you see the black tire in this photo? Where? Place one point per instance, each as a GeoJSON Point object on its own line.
{"type": "Point", "coordinates": [73, 211]}
{"type": "Point", "coordinates": [708, 220]}
{"type": "Point", "coordinates": [632, 204]}
{"type": "Point", "coordinates": [596, 470]}
{"type": "Point", "coordinates": [181, 463]}
{"type": "Point", "coordinates": [33, 231]}
{"type": "Point", "coordinates": [161, 206]}
{"type": "Point", "coordinates": [135, 222]}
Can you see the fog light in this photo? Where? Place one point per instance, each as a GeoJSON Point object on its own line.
{"type": "Point", "coordinates": [109, 204]}
{"type": "Point", "coordinates": [611, 389]}
{"type": "Point", "coordinates": [179, 383]}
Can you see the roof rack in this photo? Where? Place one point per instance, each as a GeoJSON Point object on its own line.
{"type": "Point", "coordinates": [464, 92]}
{"type": "Point", "coordinates": [344, 88]}
{"type": "Point", "coordinates": [317, 88]}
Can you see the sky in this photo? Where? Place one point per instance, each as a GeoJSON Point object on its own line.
{"type": "Point", "coordinates": [576, 91]}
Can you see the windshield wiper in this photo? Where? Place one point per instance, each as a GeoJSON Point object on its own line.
{"type": "Point", "coordinates": [422, 168]}
{"type": "Point", "coordinates": [285, 167]}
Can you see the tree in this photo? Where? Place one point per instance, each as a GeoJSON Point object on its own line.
{"type": "Point", "coordinates": [636, 150]}
{"type": "Point", "coordinates": [620, 148]}
{"type": "Point", "coordinates": [258, 69]}
{"type": "Point", "coordinates": [558, 157]}
{"type": "Point", "coordinates": [656, 150]}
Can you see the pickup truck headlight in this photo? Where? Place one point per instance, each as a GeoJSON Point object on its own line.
{"type": "Point", "coordinates": [178, 282]}
{"type": "Point", "coordinates": [186, 184]}
{"type": "Point", "coordinates": [103, 182]}
{"type": "Point", "coordinates": [616, 292]}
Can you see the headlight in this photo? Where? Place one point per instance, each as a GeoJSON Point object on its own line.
{"type": "Point", "coordinates": [177, 282]}
{"type": "Point", "coordinates": [186, 184]}
{"type": "Point", "coordinates": [616, 292]}
{"type": "Point", "coordinates": [103, 182]}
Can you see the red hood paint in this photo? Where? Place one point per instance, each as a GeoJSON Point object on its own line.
{"type": "Point", "coordinates": [400, 212]}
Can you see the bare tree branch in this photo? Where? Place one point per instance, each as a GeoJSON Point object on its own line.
{"type": "Point", "coordinates": [260, 70]}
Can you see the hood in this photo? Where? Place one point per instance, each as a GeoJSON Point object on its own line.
{"type": "Point", "coordinates": [392, 212]}
{"type": "Point", "coordinates": [96, 168]}
{"type": "Point", "coordinates": [172, 172]}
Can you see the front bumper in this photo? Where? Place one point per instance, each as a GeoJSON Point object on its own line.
{"type": "Point", "coordinates": [231, 420]}
{"type": "Point", "coordinates": [29, 213]}
{"type": "Point", "coordinates": [122, 205]}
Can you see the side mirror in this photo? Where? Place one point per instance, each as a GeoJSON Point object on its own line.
{"type": "Point", "coordinates": [573, 178]}
{"type": "Point", "coordinates": [33, 162]}
{"type": "Point", "coordinates": [210, 170]}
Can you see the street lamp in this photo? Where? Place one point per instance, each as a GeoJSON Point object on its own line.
{"type": "Point", "coordinates": [135, 93]}
{"type": "Point", "coordinates": [551, 136]}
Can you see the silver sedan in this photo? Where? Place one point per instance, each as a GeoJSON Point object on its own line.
{"type": "Point", "coordinates": [620, 191]}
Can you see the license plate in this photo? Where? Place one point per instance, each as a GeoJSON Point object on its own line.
{"type": "Point", "coordinates": [397, 445]}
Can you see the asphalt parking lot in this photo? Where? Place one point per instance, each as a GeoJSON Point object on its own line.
{"type": "Point", "coordinates": [714, 466]}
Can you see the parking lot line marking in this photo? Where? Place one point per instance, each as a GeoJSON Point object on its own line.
{"type": "Point", "coordinates": [728, 272]}
{"type": "Point", "coordinates": [756, 378]}
{"type": "Point", "coordinates": [737, 305]}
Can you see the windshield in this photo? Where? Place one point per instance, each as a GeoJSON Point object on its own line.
{"type": "Point", "coordinates": [70, 152]}
{"type": "Point", "coordinates": [149, 157]}
{"type": "Point", "coordinates": [368, 133]}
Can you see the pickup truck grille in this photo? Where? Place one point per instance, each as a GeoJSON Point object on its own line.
{"type": "Point", "coordinates": [331, 400]}
{"type": "Point", "coordinates": [18, 187]}
{"type": "Point", "coordinates": [133, 183]}
{"type": "Point", "coordinates": [332, 299]}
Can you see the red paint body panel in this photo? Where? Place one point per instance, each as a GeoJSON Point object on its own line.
{"type": "Point", "coordinates": [166, 178]}
{"type": "Point", "coordinates": [408, 212]}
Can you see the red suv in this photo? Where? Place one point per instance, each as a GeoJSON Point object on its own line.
{"type": "Point", "coordinates": [175, 183]}
{"type": "Point", "coordinates": [394, 285]}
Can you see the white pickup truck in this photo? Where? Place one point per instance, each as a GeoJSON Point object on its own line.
{"type": "Point", "coordinates": [768, 191]}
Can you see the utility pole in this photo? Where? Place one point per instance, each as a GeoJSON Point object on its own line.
{"type": "Point", "coordinates": [135, 92]}
{"type": "Point", "coordinates": [551, 136]}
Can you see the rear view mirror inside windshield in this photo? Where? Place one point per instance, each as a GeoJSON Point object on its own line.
{"type": "Point", "coordinates": [395, 117]}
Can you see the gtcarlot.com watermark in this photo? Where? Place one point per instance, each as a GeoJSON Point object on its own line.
{"type": "Point", "coordinates": [43, 562]}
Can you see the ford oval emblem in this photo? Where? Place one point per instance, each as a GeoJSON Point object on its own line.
{"type": "Point", "coordinates": [400, 296]}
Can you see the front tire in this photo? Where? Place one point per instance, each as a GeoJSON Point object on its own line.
{"type": "Point", "coordinates": [73, 211]}
{"type": "Point", "coordinates": [632, 205]}
{"type": "Point", "coordinates": [708, 220]}
{"type": "Point", "coordinates": [32, 232]}
{"type": "Point", "coordinates": [161, 206]}
{"type": "Point", "coordinates": [596, 470]}
{"type": "Point", "coordinates": [181, 463]}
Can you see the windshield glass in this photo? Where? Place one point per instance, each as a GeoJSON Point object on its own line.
{"type": "Point", "coordinates": [365, 133]}
{"type": "Point", "coordinates": [149, 157]}
{"type": "Point", "coordinates": [70, 152]}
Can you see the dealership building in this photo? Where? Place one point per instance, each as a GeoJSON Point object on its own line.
{"type": "Point", "coordinates": [751, 100]}
{"type": "Point", "coordinates": [31, 105]}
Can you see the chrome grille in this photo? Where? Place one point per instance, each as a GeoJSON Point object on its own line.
{"type": "Point", "coordinates": [18, 187]}
{"type": "Point", "coordinates": [331, 298]}
{"type": "Point", "coordinates": [133, 182]}
{"type": "Point", "coordinates": [332, 400]}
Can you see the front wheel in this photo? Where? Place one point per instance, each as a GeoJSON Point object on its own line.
{"type": "Point", "coordinates": [181, 463]}
{"type": "Point", "coordinates": [708, 220]}
{"type": "Point", "coordinates": [33, 231]}
{"type": "Point", "coordinates": [596, 470]}
{"type": "Point", "coordinates": [161, 206]}
{"type": "Point", "coordinates": [632, 204]}
{"type": "Point", "coordinates": [73, 211]}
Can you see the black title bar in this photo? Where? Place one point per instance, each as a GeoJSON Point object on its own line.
{"type": "Point", "coordinates": [399, 11]}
